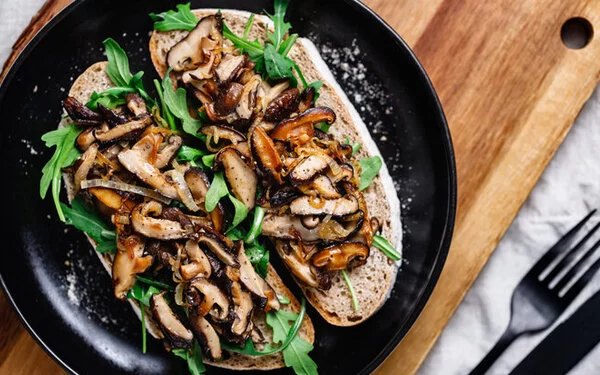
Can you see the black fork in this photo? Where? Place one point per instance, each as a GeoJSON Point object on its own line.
{"type": "Point", "coordinates": [536, 303]}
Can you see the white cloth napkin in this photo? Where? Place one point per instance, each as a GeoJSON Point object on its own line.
{"type": "Point", "coordinates": [569, 188]}
{"type": "Point", "coordinates": [566, 192]}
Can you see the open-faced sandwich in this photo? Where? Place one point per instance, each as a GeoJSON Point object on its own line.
{"type": "Point", "coordinates": [248, 150]}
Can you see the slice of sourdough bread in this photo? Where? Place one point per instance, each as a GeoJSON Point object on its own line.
{"type": "Point", "coordinates": [94, 79]}
{"type": "Point", "coordinates": [373, 281]}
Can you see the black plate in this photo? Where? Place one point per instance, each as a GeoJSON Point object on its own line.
{"type": "Point", "coordinates": [55, 282]}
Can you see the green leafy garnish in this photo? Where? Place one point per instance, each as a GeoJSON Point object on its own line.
{"type": "Point", "coordinates": [352, 292]}
{"type": "Point", "coordinates": [317, 86]}
{"type": "Point", "coordinates": [65, 154]}
{"type": "Point", "coordinates": [166, 114]}
{"type": "Point", "coordinates": [218, 189]}
{"type": "Point", "coordinates": [193, 358]}
{"type": "Point", "coordinates": [386, 247]}
{"type": "Point", "coordinates": [209, 160]}
{"type": "Point", "coordinates": [248, 26]}
{"type": "Point", "coordinates": [283, 300]}
{"type": "Point", "coordinates": [142, 295]}
{"type": "Point", "coordinates": [176, 102]}
{"type": "Point", "coordinates": [86, 220]}
{"type": "Point", "coordinates": [295, 355]}
{"type": "Point", "coordinates": [187, 153]}
{"type": "Point", "coordinates": [369, 169]}
{"type": "Point", "coordinates": [355, 146]}
{"type": "Point", "coordinates": [258, 255]}
{"type": "Point", "coordinates": [118, 72]}
{"type": "Point", "coordinates": [278, 66]}
{"type": "Point", "coordinates": [154, 283]}
{"type": "Point", "coordinates": [283, 333]}
{"type": "Point", "coordinates": [281, 27]}
{"type": "Point", "coordinates": [182, 19]}
{"type": "Point", "coordinates": [323, 126]}
{"type": "Point", "coordinates": [118, 63]}
{"type": "Point", "coordinates": [240, 211]}
{"type": "Point", "coordinates": [255, 229]}
{"type": "Point", "coordinates": [236, 234]}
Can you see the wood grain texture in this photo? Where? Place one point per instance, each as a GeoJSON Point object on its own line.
{"type": "Point", "coordinates": [510, 90]}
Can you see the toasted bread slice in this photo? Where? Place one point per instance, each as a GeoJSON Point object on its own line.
{"type": "Point", "coordinates": [95, 79]}
{"type": "Point", "coordinates": [373, 281]}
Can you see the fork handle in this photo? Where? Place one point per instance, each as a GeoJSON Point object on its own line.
{"type": "Point", "coordinates": [504, 342]}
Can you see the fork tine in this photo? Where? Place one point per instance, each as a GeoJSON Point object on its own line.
{"type": "Point", "coordinates": [574, 290]}
{"type": "Point", "coordinates": [570, 255]}
{"type": "Point", "coordinates": [559, 247]}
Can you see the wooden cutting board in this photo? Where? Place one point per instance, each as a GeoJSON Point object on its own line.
{"type": "Point", "coordinates": [510, 89]}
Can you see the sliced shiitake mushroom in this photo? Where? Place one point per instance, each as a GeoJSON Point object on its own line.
{"type": "Point", "coordinates": [346, 173]}
{"type": "Point", "coordinates": [178, 335]}
{"type": "Point", "coordinates": [283, 196]}
{"type": "Point", "coordinates": [254, 283]}
{"type": "Point", "coordinates": [136, 104]}
{"type": "Point", "coordinates": [228, 99]}
{"type": "Point", "coordinates": [167, 153]}
{"type": "Point", "coordinates": [188, 53]}
{"type": "Point", "coordinates": [243, 310]}
{"type": "Point", "coordinates": [86, 163]}
{"type": "Point", "coordinates": [300, 129]}
{"type": "Point", "coordinates": [214, 301]}
{"type": "Point", "coordinates": [123, 130]}
{"type": "Point", "coordinates": [307, 99]}
{"type": "Point", "coordinates": [247, 103]}
{"type": "Point", "coordinates": [283, 105]}
{"type": "Point", "coordinates": [240, 176]}
{"type": "Point", "coordinates": [340, 256]}
{"type": "Point", "coordinates": [86, 139]}
{"type": "Point", "coordinates": [82, 115]}
{"type": "Point", "coordinates": [265, 154]}
{"type": "Point", "coordinates": [112, 117]}
{"type": "Point", "coordinates": [229, 67]}
{"type": "Point", "coordinates": [219, 136]}
{"type": "Point", "coordinates": [198, 264]}
{"type": "Point", "coordinates": [288, 227]}
{"type": "Point", "coordinates": [296, 264]}
{"type": "Point", "coordinates": [306, 205]}
{"type": "Point", "coordinates": [129, 261]}
{"type": "Point", "coordinates": [144, 221]}
{"type": "Point", "coordinates": [307, 169]}
{"type": "Point", "coordinates": [322, 186]}
{"type": "Point", "coordinates": [206, 335]}
{"type": "Point", "coordinates": [198, 183]}
{"type": "Point", "coordinates": [219, 245]}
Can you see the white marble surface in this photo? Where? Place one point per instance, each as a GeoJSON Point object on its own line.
{"type": "Point", "coordinates": [569, 188]}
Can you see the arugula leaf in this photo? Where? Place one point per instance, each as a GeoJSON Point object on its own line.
{"type": "Point", "coordinates": [187, 153]}
{"type": "Point", "coordinates": [352, 292]}
{"type": "Point", "coordinates": [355, 146]}
{"type": "Point", "coordinates": [65, 154]}
{"type": "Point", "coordinates": [138, 85]}
{"type": "Point", "coordinates": [142, 295]}
{"type": "Point", "coordinates": [369, 169]}
{"type": "Point", "coordinates": [279, 67]}
{"type": "Point", "coordinates": [255, 229]}
{"type": "Point", "coordinates": [236, 234]}
{"type": "Point", "coordinates": [283, 300]}
{"type": "Point", "coordinates": [254, 49]}
{"type": "Point", "coordinates": [218, 189]}
{"type": "Point", "coordinates": [259, 257]}
{"type": "Point", "coordinates": [287, 45]}
{"type": "Point", "coordinates": [110, 98]}
{"type": "Point", "coordinates": [86, 220]}
{"type": "Point", "coordinates": [118, 63]}
{"type": "Point", "coordinates": [281, 27]}
{"type": "Point", "coordinates": [166, 114]}
{"type": "Point", "coordinates": [295, 355]}
{"type": "Point", "coordinates": [182, 19]}
{"type": "Point", "coordinates": [323, 126]}
{"type": "Point", "coordinates": [386, 247]}
{"type": "Point", "coordinates": [154, 283]}
{"type": "Point", "coordinates": [194, 360]}
{"type": "Point", "coordinates": [317, 86]}
{"type": "Point", "coordinates": [240, 211]}
{"type": "Point", "coordinates": [279, 322]}
{"type": "Point", "coordinates": [248, 26]}
{"type": "Point", "coordinates": [176, 102]}
{"type": "Point", "coordinates": [209, 160]}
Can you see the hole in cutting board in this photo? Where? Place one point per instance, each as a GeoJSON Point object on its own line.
{"type": "Point", "coordinates": [576, 33]}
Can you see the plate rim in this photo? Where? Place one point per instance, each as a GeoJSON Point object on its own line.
{"type": "Point", "coordinates": [450, 169]}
